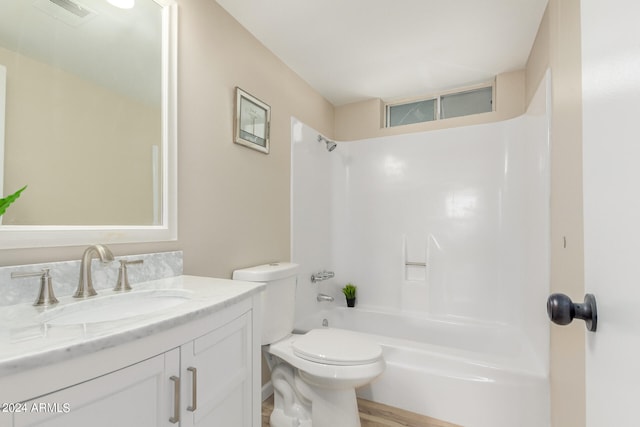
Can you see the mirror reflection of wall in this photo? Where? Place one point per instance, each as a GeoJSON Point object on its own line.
{"type": "Point", "coordinates": [83, 120]}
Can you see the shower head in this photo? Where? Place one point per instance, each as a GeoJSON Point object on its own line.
{"type": "Point", "coordinates": [331, 145]}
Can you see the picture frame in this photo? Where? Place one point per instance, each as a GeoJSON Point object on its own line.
{"type": "Point", "coordinates": [252, 122]}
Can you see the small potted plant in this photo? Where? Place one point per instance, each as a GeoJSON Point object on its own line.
{"type": "Point", "coordinates": [349, 292]}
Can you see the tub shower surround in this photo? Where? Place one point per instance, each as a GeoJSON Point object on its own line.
{"type": "Point", "coordinates": [446, 234]}
{"type": "Point", "coordinates": [65, 275]}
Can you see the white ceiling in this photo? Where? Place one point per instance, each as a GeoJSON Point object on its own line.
{"type": "Point", "coordinates": [352, 50]}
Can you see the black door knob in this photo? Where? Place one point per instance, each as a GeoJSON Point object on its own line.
{"type": "Point", "coordinates": [562, 310]}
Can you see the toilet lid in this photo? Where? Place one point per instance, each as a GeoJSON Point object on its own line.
{"type": "Point", "coordinates": [336, 347]}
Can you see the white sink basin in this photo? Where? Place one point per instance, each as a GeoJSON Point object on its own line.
{"type": "Point", "coordinates": [115, 307]}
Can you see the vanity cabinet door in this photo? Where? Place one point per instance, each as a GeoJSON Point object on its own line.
{"type": "Point", "coordinates": [140, 395]}
{"type": "Point", "coordinates": [220, 364]}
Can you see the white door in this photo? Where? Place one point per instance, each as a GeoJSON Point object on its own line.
{"type": "Point", "coordinates": [611, 159]}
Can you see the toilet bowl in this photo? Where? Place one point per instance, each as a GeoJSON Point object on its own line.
{"type": "Point", "coordinates": [322, 369]}
{"type": "Point", "coordinates": [314, 375]}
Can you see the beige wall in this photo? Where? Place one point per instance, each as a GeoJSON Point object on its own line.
{"type": "Point", "coordinates": [558, 47]}
{"type": "Point", "coordinates": [364, 119]}
{"type": "Point", "coordinates": [233, 201]}
{"type": "Point", "coordinates": [54, 118]}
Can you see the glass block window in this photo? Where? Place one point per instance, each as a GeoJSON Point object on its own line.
{"type": "Point", "coordinates": [414, 112]}
{"type": "Point", "coordinates": [466, 103]}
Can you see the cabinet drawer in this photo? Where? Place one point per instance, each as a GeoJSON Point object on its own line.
{"type": "Point", "coordinates": [133, 396]}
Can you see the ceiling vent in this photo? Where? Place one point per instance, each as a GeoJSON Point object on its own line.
{"type": "Point", "coordinates": [70, 12]}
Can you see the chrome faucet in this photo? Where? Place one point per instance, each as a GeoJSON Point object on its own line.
{"type": "Point", "coordinates": [323, 297]}
{"type": "Point", "coordinates": [85, 284]}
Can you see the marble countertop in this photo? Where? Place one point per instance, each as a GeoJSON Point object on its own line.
{"type": "Point", "coordinates": [26, 341]}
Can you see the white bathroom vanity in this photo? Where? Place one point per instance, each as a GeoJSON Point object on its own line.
{"type": "Point", "coordinates": [181, 351]}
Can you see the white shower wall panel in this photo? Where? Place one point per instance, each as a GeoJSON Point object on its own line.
{"type": "Point", "coordinates": [311, 213]}
{"type": "Point", "coordinates": [443, 198]}
{"type": "Point", "coordinates": [471, 203]}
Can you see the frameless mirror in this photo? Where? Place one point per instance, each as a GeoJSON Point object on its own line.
{"type": "Point", "coordinates": [87, 121]}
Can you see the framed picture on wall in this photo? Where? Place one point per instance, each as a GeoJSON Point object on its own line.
{"type": "Point", "coordinates": [252, 122]}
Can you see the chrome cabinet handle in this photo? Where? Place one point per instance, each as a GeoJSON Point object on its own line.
{"type": "Point", "coordinates": [176, 400]}
{"type": "Point", "coordinates": [194, 389]}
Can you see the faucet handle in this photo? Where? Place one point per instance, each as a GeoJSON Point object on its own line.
{"type": "Point", "coordinates": [46, 296]}
{"type": "Point", "coordinates": [123, 276]}
{"type": "Point", "coordinates": [322, 275]}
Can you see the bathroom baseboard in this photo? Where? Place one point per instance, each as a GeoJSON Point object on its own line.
{"type": "Point", "coordinates": [267, 391]}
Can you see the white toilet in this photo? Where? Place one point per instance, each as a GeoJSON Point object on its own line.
{"type": "Point", "coordinates": [314, 375]}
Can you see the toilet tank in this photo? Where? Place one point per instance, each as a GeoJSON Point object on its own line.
{"type": "Point", "coordinates": [278, 299]}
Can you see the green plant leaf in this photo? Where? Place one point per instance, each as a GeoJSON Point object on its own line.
{"type": "Point", "coordinates": [349, 291]}
{"type": "Point", "coordinates": [4, 203]}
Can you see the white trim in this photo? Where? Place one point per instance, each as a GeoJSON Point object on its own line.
{"type": "Point", "coordinates": [3, 97]}
{"type": "Point", "coordinates": [23, 236]}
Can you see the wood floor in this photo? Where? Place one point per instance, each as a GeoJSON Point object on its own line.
{"type": "Point", "coordinates": [374, 414]}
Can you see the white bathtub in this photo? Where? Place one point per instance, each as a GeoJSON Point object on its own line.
{"type": "Point", "coordinates": [474, 375]}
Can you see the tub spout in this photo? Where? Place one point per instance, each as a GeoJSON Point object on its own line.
{"type": "Point", "coordinates": [323, 297]}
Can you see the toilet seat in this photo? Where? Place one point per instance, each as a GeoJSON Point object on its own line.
{"type": "Point", "coordinates": [336, 347]}
{"type": "Point", "coordinates": [321, 373]}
